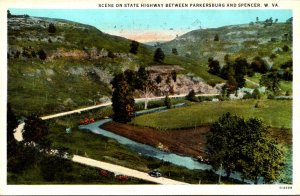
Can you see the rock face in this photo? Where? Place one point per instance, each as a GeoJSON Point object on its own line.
{"type": "Point", "coordinates": [184, 82]}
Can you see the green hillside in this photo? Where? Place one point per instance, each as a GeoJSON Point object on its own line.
{"type": "Point", "coordinates": [71, 66]}
{"type": "Point", "coordinates": [79, 62]}
{"type": "Point", "coordinates": [248, 40]}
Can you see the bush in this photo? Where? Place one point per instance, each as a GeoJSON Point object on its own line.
{"type": "Point", "coordinates": [192, 96]}
{"type": "Point", "coordinates": [168, 102]}
{"type": "Point", "coordinates": [285, 48]}
{"type": "Point", "coordinates": [256, 94]}
{"type": "Point", "coordinates": [51, 28]}
{"type": "Point", "coordinates": [259, 104]}
{"type": "Point", "coordinates": [42, 54]}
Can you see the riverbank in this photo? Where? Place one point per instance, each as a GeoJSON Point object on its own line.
{"type": "Point", "coordinates": [189, 142]}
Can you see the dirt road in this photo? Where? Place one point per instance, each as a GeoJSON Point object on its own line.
{"type": "Point", "coordinates": [109, 103]}
{"type": "Point", "coordinates": [124, 171]}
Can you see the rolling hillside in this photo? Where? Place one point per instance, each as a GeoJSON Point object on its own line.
{"type": "Point", "coordinates": [248, 40]}
{"type": "Point", "coordinates": [72, 64]}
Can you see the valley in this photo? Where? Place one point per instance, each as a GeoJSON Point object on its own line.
{"type": "Point", "coordinates": [63, 75]}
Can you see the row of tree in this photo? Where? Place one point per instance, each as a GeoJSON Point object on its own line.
{"type": "Point", "coordinates": [234, 72]}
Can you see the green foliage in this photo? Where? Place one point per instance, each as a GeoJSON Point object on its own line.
{"type": "Point", "coordinates": [42, 54]}
{"type": "Point", "coordinates": [12, 123]}
{"type": "Point", "coordinates": [174, 75]}
{"type": "Point", "coordinates": [271, 81]}
{"type": "Point", "coordinates": [159, 55]}
{"type": "Point", "coordinates": [55, 168]}
{"type": "Point", "coordinates": [134, 45]}
{"type": "Point", "coordinates": [168, 102]}
{"type": "Point", "coordinates": [214, 66]}
{"type": "Point", "coordinates": [174, 51]}
{"type": "Point", "coordinates": [216, 38]}
{"type": "Point", "coordinates": [23, 156]}
{"type": "Point", "coordinates": [158, 79]}
{"type": "Point", "coordinates": [192, 96]}
{"type": "Point", "coordinates": [259, 65]}
{"type": "Point", "coordinates": [51, 28]}
{"type": "Point", "coordinates": [122, 99]}
{"type": "Point", "coordinates": [36, 129]}
{"type": "Point", "coordinates": [285, 48]}
{"type": "Point", "coordinates": [244, 146]}
{"type": "Point", "coordinates": [256, 94]}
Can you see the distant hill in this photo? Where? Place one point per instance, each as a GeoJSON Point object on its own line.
{"type": "Point", "coordinates": [70, 65]}
{"type": "Point", "coordinates": [248, 40]}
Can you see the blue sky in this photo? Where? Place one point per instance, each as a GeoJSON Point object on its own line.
{"type": "Point", "coordinates": [151, 25]}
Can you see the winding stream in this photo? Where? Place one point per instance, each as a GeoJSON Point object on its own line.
{"type": "Point", "coordinates": [150, 151]}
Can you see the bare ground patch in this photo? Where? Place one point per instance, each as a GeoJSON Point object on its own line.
{"type": "Point", "coordinates": [190, 142]}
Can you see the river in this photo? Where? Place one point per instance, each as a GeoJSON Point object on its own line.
{"type": "Point", "coordinates": [147, 150]}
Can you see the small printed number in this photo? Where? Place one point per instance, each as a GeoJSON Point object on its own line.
{"type": "Point", "coordinates": [285, 187]}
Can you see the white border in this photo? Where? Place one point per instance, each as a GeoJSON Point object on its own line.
{"type": "Point", "coordinates": [144, 189]}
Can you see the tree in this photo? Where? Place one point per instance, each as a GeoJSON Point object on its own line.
{"type": "Point", "coordinates": [12, 123]}
{"type": "Point", "coordinates": [174, 51]}
{"type": "Point", "coordinates": [271, 81]}
{"type": "Point", "coordinates": [42, 54]}
{"type": "Point", "coordinates": [122, 99]}
{"type": "Point", "coordinates": [158, 79]}
{"type": "Point", "coordinates": [214, 66]}
{"type": "Point", "coordinates": [144, 84]}
{"type": "Point", "coordinates": [134, 45]}
{"type": "Point", "coordinates": [259, 65]}
{"type": "Point", "coordinates": [231, 84]}
{"type": "Point", "coordinates": [222, 140]}
{"type": "Point", "coordinates": [241, 68]}
{"type": "Point", "coordinates": [174, 75]}
{"type": "Point", "coordinates": [8, 14]}
{"type": "Point", "coordinates": [216, 38]}
{"type": "Point", "coordinates": [257, 19]}
{"type": "Point", "coordinates": [51, 28]}
{"type": "Point", "coordinates": [35, 129]}
{"type": "Point", "coordinates": [168, 102]}
{"type": "Point", "coordinates": [285, 48]}
{"type": "Point", "coordinates": [159, 55]}
{"type": "Point", "coordinates": [244, 146]}
{"type": "Point", "coordinates": [260, 156]}
{"type": "Point", "coordinates": [192, 96]}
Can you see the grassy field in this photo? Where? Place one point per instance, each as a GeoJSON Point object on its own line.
{"type": "Point", "coordinates": [85, 143]}
{"type": "Point", "coordinates": [80, 174]}
{"type": "Point", "coordinates": [273, 113]}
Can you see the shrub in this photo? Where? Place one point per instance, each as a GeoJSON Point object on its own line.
{"type": "Point", "coordinates": [259, 104]}
{"type": "Point", "coordinates": [51, 28]}
{"type": "Point", "coordinates": [285, 48]}
{"type": "Point", "coordinates": [42, 54]}
{"type": "Point", "coordinates": [192, 96]}
{"type": "Point", "coordinates": [168, 102]}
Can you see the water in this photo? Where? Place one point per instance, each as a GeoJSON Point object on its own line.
{"type": "Point", "coordinates": [150, 151]}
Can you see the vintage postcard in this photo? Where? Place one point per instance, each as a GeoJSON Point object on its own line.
{"type": "Point", "coordinates": [150, 97]}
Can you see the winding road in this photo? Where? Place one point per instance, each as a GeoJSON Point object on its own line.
{"type": "Point", "coordinates": [109, 103]}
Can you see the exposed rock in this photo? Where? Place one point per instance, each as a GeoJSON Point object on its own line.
{"type": "Point", "coordinates": [69, 102]}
